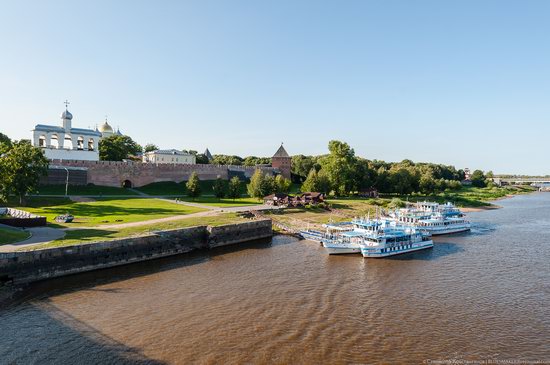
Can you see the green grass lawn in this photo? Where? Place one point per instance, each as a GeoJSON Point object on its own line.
{"type": "Point", "coordinates": [83, 190]}
{"type": "Point", "coordinates": [107, 211]}
{"type": "Point", "coordinates": [82, 236]}
{"type": "Point", "coordinates": [9, 235]}
{"type": "Point", "coordinates": [179, 189]}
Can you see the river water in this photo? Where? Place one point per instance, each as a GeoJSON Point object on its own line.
{"type": "Point", "coordinates": [476, 296]}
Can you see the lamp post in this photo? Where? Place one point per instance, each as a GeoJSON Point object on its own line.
{"type": "Point", "coordinates": [67, 181]}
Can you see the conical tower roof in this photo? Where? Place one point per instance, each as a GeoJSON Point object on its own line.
{"type": "Point", "coordinates": [208, 154]}
{"type": "Point", "coordinates": [281, 152]}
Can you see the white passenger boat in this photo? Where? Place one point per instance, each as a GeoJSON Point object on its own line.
{"type": "Point", "coordinates": [343, 243]}
{"type": "Point", "coordinates": [435, 218]}
{"type": "Point", "coordinates": [329, 229]}
{"type": "Point", "coordinates": [395, 242]}
{"type": "Point", "coordinates": [377, 238]}
{"type": "Point", "coordinates": [438, 224]}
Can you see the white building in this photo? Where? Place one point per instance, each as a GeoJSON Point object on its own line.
{"type": "Point", "coordinates": [169, 156]}
{"type": "Point", "coordinates": [67, 143]}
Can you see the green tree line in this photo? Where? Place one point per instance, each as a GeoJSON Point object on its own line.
{"type": "Point", "coordinates": [343, 173]}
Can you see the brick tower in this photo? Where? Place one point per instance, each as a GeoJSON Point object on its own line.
{"type": "Point", "coordinates": [282, 161]}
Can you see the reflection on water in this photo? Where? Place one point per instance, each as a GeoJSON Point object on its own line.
{"type": "Point", "coordinates": [482, 295]}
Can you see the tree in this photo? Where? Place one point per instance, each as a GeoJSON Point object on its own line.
{"type": "Point", "coordinates": [312, 181]}
{"type": "Point", "coordinates": [401, 181]}
{"type": "Point", "coordinates": [201, 159]}
{"type": "Point", "coordinates": [268, 185]}
{"type": "Point", "coordinates": [5, 143]}
{"type": "Point", "coordinates": [324, 182]}
{"type": "Point", "coordinates": [282, 185]}
{"type": "Point", "coordinates": [478, 179]}
{"type": "Point", "coordinates": [302, 165]}
{"type": "Point", "coordinates": [234, 188]}
{"type": "Point", "coordinates": [149, 147]}
{"type": "Point", "coordinates": [20, 170]}
{"type": "Point", "coordinates": [339, 167]}
{"type": "Point", "coordinates": [255, 187]}
{"type": "Point", "coordinates": [427, 184]}
{"type": "Point", "coordinates": [117, 148]}
{"type": "Point", "coordinates": [254, 161]}
{"type": "Point", "coordinates": [261, 184]}
{"type": "Point", "coordinates": [382, 182]}
{"type": "Point", "coordinates": [193, 186]}
{"type": "Point", "coordinates": [226, 160]}
{"type": "Point", "coordinates": [219, 188]}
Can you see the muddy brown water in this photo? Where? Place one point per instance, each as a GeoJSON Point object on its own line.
{"type": "Point", "coordinates": [483, 295]}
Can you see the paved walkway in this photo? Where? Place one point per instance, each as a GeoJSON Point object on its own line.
{"type": "Point", "coordinates": [39, 235]}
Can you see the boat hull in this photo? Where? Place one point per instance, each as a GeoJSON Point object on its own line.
{"type": "Point", "coordinates": [441, 232]}
{"type": "Point", "coordinates": [333, 249]}
{"type": "Point", "coordinates": [370, 254]}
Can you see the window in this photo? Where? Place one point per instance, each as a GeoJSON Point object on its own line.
{"type": "Point", "coordinates": [80, 143]}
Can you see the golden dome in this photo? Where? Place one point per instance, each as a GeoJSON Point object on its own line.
{"type": "Point", "coordinates": [105, 128]}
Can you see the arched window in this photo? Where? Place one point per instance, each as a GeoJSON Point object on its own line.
{"type": "Point", "coordinates": [91, 144]}
{"type": "Point", "coordinates": [68, 144]}
{"type": "Point", "coordinates": [42, 141]}
{"type": "Point", "coordinates": [54, 141]}
{"type": "Point", "coordinates": [80, 143]}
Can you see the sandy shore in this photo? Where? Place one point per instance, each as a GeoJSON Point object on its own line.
{"type": "Point", "coordinates": [480, 209]}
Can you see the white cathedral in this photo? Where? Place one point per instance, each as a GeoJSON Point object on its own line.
{"type": "Point", "coordinates": [68, 143]}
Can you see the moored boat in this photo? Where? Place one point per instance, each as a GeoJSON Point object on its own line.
{"type": "Point", "coordinates": [435, 218]}
{"type": "Point", "coordinates": [395, 242]}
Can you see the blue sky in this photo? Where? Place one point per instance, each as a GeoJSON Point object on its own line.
{"type": "Point", "coordinates": [457, 82]}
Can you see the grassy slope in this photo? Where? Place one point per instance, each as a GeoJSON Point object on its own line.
{"type": "Point", "coordinates": [107, 211]}
{"type": "Point", "coordinates": [83, 190]}
{"type": "Point", "coordinates": [173, 188]}
{"type": "Point", "coordinates": [8, 235]}
{"type": "Point", "coordinates": [81, 236]}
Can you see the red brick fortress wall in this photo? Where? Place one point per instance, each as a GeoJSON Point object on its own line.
{"type": "Point", "coordinates": [114, 173]}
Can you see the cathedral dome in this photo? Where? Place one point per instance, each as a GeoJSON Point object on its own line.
{"type": "Point", "coordinates": [105, 128]}
{"type": "Point", "coordinates": [66, 115]}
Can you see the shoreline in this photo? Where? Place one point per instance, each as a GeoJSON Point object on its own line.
{"type": "Point", "coordinates": [492, 206]}
{"type": "Point", "coordinates": [480, 209]}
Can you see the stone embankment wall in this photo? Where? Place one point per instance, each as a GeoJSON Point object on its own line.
{"type": "Point", "coordinates": [235, 233]}
{"type": "Point", "coordinates": [115, 173]}
{"type": "Point", "coordinates": [21, 267]}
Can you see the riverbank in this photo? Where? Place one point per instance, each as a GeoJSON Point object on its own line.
{"type": "Point", "coordinates": [469, 199]}
{"type": "Point", "coordinates": [28, 266]}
